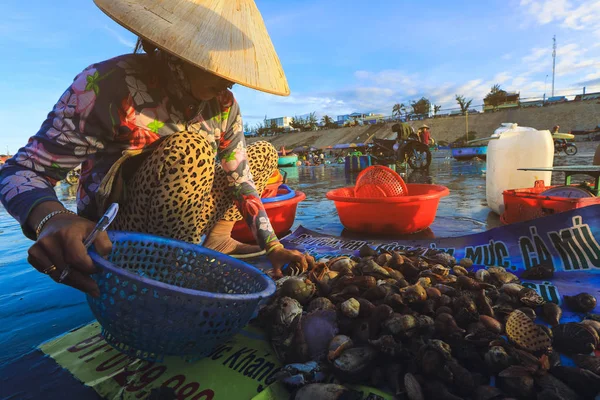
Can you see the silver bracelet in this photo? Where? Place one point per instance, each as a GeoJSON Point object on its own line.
{"type": "Point", "coordinates": [47, 218]}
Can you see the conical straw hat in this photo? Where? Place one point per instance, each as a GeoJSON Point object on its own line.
{"type": "Point", "coordinates": [226, 37]}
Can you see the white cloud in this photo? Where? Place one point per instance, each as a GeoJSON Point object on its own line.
{"type": "Point", "coordinates": [576, 15]}
{"type": "Point", "coordinates": [536, 54]}
{"type": "Point", "coordinates": [124, 41]}
{"type": "Point", "coordinates": [528, 72]}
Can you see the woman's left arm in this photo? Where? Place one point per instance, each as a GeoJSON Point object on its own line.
{"type": "Point", "coordinates": [232, 153]}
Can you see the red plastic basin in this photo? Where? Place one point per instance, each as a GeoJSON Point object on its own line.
{"type": "Point", "coordinates": [389, 215]}
{"type": "Point", "coordinates": [281, 214]}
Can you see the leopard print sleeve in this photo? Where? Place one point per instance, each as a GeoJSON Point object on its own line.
{"type": "Point", "coordinates": [232, 153]}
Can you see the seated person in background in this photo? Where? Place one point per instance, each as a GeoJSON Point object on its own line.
{"type": "Point", "coordinates": [557, 142]}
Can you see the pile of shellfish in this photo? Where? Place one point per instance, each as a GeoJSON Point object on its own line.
{"type": "Point", "coordinates": [421, 325]}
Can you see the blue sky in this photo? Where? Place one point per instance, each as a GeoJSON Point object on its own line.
{"type": "Point", "coordinates": [339, 56]}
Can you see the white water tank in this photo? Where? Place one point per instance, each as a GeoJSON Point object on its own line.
{"type": "Point", "coordinates": [516, 147]}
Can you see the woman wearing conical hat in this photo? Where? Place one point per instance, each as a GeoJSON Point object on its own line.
{"type": "Point", "coordinates": [160, 133]}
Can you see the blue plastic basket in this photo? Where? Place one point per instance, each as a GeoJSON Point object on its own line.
{"type": "Point", "coordinates": [162, 297]}
{"type": "Point", "coordinates": [280, 197]}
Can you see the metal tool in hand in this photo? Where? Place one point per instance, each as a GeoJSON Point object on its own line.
{"type": "Point", "coordinates": [101, 226]}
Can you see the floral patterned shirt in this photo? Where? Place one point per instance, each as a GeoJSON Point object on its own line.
{"type": "Point", "coordinates": [126, 103]}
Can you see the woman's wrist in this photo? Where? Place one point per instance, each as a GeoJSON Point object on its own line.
{"type": "Point", "coordinates": [271, 247]}
{"type": "Point", "coordinates": [41, 211]}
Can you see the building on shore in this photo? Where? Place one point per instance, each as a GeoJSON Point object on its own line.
{"type": "Point", "coordinates": [532, 103]}
{"type": "Point", "coordinates": [587, 96]}
{"type": "Point", "coordinates": [360, 118]}
{"type": "Point", "coordinates": [281, 122]}
{"type": "Point", "coordinates": [511, 100]}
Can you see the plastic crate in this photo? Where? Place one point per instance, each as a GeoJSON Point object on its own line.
{"type": "Point", "coordinates": [526, 204]}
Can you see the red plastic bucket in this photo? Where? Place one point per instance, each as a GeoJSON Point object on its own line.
{"type": "Point", "coordinates": [389, 215]}
{"type": "Point", "coordinates": [281, 214]}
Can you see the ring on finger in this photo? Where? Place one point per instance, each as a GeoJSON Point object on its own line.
{"type": "Point", "coordinates": [49, 270]}
{"type": "Point", "coordinates": [64, 274]}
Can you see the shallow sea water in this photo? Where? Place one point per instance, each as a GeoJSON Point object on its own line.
{"type": "Point", "coordinates": [34, 309]}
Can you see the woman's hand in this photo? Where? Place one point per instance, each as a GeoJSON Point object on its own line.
{"type": "Point", "coordinates": [282, 256]}
{"type": "Point", "coordinates": [61, 243]}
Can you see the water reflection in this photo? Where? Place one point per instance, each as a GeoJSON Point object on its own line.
{"type": "Point", "coordinates": [420, 176]}
{"type": "Point", "coordinates": [464, 211]}
{"type": "Point", "coordinates": [67, 194]}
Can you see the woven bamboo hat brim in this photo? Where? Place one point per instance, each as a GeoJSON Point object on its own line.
{"type": "Point", "coordinates": [225, 37]}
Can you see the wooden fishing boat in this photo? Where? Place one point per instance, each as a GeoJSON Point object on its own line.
{"type": "Point", "coordinates": [289, 160]}
{"type": "Point", "coordinates": [466, 152]}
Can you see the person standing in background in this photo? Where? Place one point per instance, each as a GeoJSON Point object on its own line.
{"type": "Point", "coordinates": [425, 134]}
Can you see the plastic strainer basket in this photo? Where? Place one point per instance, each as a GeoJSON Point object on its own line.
{"type": "Point", "coordinates": [162, 297]}
{"type": "Point", "coordinates": [379, 181]}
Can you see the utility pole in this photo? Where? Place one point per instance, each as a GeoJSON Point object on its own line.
{"type": "Point", "coordinates": [553, 61]}
{"type": "Point", "coordinates": [467, 125]}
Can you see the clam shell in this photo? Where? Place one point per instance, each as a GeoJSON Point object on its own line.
{"type": "Point", "coordinates": [350, 308]}
{"type": "Point", "coordinates": [459, 270]}
{"type": "Point", "coordinates": [384, 259]}
{"type": "Point", "coordinates": [482, 275]}
{"type": "Point", "coordinates": [466, 262]}
{"type": "Point", "coordinates": [337, 345]}
{"type": "Point", "coordinates": [584, 382]}
{"type": "Point", "coordinates": [387, 345]}
{"type": "Point", "coordinates": [491, 323]}
{"type": "Point", "coordinates": [538, 272]}
{"type": "Point", "coordinates": [573, 338]}
{"type": "Point", "coordinates": [341, 264]}
{"type": "Point", "coordinates": [367, 251]}
{"type": "Point", "coordinates": [556, 386]}
{"type": "Point", "coordinates": [497, 359]}
{"type": "Point", "coordinates": [583, 302]}
{"type": "Point", "coordinates": [433, 293]}
{"type": "Point", "coordinates": [551, 313]}
{"type": "Point", "coordinates": [322, 391]}
{"type": "Point", "coordinates": [286, 311]}
{"type": "Point", "coordinates": [413, 388]}
{"type": "Point", "coordinates": [516, 381]}
{"type": "Point", "coordinates": [320, 303]}
{"type": "Point", "coordinates": [399, 323]}
{"type": "Point", "coordinates": [591, 363]}
{"type": "Point", "coordinates": [443, 310]}
{"type": "Point", "coordinates": [512, 289]}
{"type": "Point", "coordinates": [530, 297]}
{"type": "Point", "coordinates": [298, 289]}
{"type": "Point", "coordinates": [521, 330]}
{"type": "Point", "coordinates": [502, 275]}
{"type": "Point", "coordinates": [440, 270]}
{"type": "Point", "coordinates": [594, 324]}
{"type": "Point", "coordinates": [530, 312]}
{"type": "Point", "coordinates": [354, 362]}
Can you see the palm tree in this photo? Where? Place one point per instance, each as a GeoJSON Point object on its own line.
{"type": "Point", "coordinates": [436, 108]}
{"type": "Point", "coordinates": [312, 120]}
{"type": "Point", "coordinates": [398, 109]}
{"type": "Point", "coordinates": [326, 120]}
{"type": "Point", "coordinates": [463, 103]}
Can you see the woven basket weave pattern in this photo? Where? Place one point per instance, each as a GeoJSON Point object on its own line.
{"type": "Point", "coordinates": [148, 320]}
